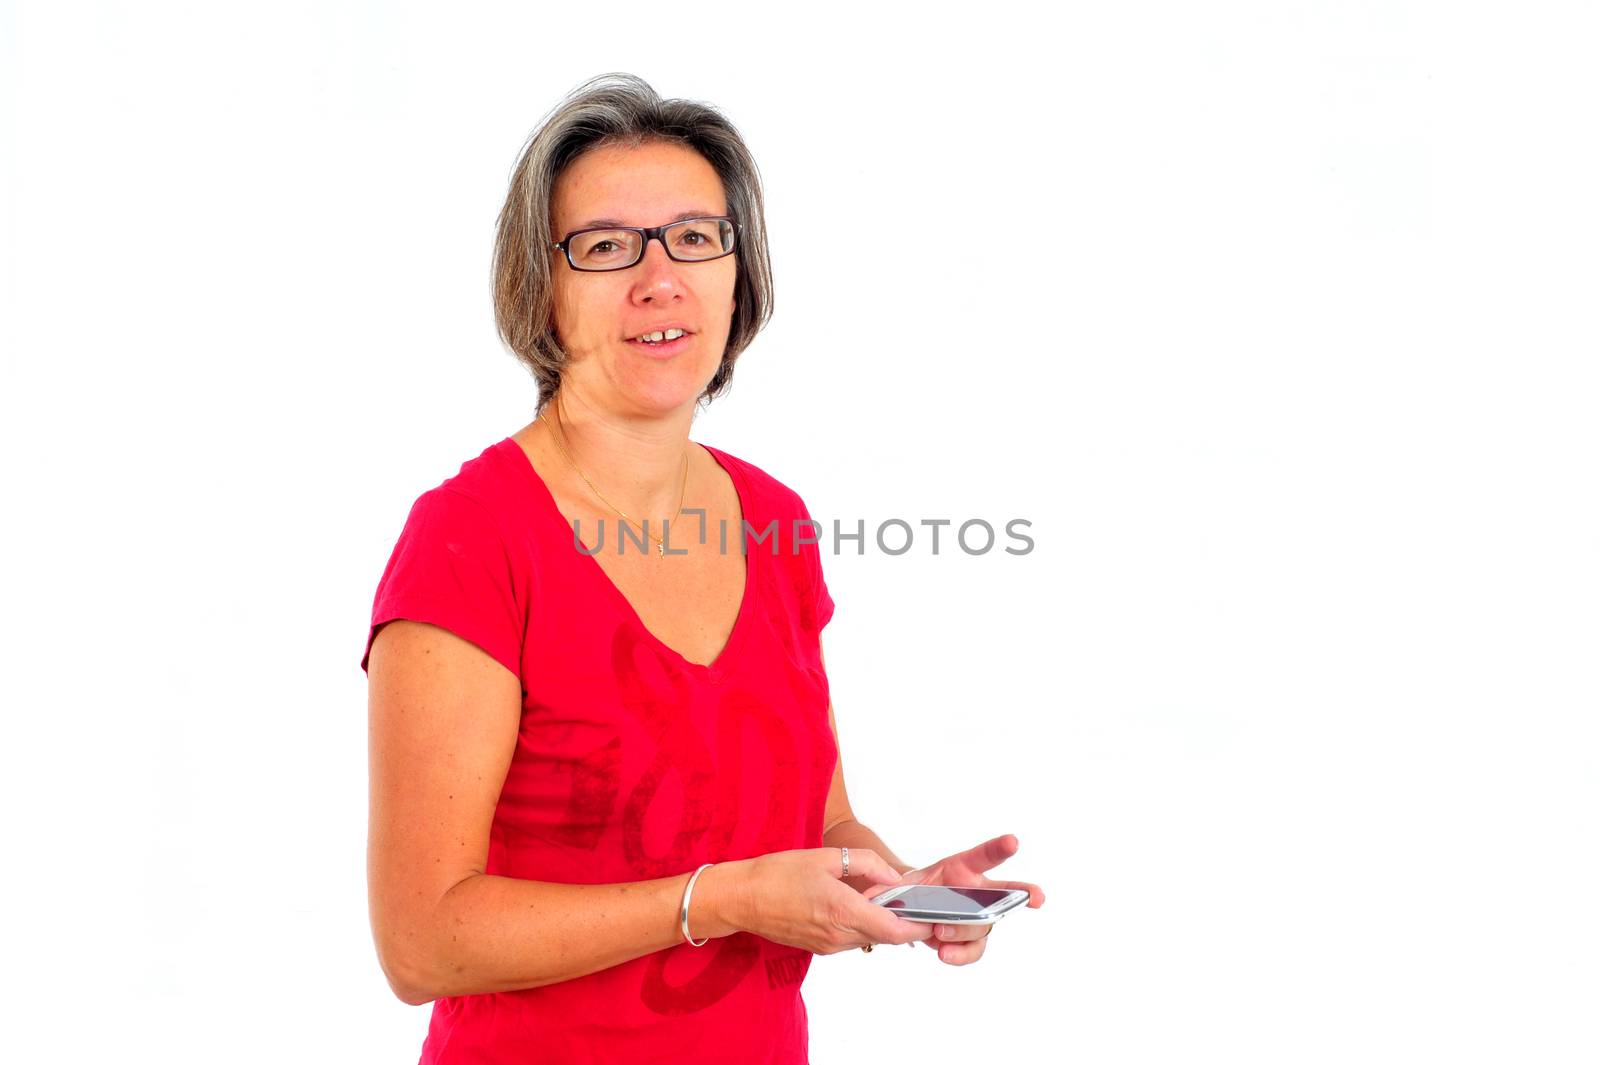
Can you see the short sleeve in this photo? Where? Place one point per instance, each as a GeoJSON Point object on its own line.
{"type": "Point", "coordinates": [824, 601]}
{"type": "Point", "coordinates": [820, 601]}
{"type": "Point", "coordinates": [451, 568]}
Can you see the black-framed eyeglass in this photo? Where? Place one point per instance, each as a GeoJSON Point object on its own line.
{"type": "Point", "coordinates": [693, 240]}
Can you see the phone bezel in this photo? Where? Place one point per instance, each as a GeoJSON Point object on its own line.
{"type": "Point", "coordinates": [1013, 898]}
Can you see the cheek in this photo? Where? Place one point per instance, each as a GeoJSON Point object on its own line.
{"type": "Point", "coordinates": [562, 310]}
{"type": "Point", "coordinates": [720, 293]}
{"type": "Point", "coordinates": [575, 315]}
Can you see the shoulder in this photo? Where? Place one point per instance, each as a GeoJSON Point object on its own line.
{"type": "Point", "coordinates": [473, 517]}
{"type": "Point", "coordinates": [479, 493]}
{"type": "Point", "coordinates": [456, 567]}
{"type": "Point", "coordinates": [490, 479]}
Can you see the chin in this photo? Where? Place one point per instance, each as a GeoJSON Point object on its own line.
{"type": "Point", "coordinates": [662, 392]}
{"type": "Point", "coordinates": [664, 397]}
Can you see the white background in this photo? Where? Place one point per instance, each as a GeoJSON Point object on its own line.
{"type": "Point", "coordinates": [1277, 321]}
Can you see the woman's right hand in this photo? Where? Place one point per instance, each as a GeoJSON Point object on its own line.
{"type": "Point", "coordinates": [799, 898]}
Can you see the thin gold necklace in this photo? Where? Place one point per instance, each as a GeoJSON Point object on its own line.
{"type": "Point", "coordinates": [560, 437]}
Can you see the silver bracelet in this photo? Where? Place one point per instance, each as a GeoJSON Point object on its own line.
{"type": "Point", "coordinates": [684, 914]}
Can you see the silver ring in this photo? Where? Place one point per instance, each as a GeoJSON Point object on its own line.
{"type": "Point", "coordinates": [845, 851]}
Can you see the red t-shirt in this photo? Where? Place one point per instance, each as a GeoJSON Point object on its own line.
{"type": "Point", "coordinates": [632, 763]}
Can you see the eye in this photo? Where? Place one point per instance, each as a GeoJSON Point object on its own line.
{"type": "Point", "coordinates": [604, 247]}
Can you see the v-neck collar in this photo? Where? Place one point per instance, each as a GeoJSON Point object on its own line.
{"type": "Point", "coordinates": [716, 669]}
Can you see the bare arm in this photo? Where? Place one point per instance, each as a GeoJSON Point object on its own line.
{"type": "Point", "coordinates": [443, 719]}
{"type": "Point", "coordinates": [842, 829]}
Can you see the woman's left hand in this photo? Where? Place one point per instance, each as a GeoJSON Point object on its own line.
{"type": "Point", "coordinates": [962, 944]}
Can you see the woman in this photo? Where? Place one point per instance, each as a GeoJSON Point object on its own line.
{"type": "Point", "coordinates": [608, 816]}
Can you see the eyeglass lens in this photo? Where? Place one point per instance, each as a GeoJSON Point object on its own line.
{"type": "Point", "coordinates": [614, 249]}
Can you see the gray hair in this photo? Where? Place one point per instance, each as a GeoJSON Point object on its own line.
{"type": "Point", "coordinates": [618, 109]}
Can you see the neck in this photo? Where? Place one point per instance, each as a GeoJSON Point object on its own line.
{"type": "Point", "coordinates": [638, 463]}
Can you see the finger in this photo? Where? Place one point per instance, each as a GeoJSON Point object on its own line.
{"type": "Point", "coordinates": [878, 925]}
{"type": "Point", "coordinates": [960, 933]}
{"type": "Point", "coordinates": [888, 928]}
{"type": "Point", "coordinates": [990, 854]}
{"type": "Point", "coordinates": [863, 862]}
{"type": "Point", "coordinates": [962, 953]}
{"type": "Point", "coordinates": [1035, 892]}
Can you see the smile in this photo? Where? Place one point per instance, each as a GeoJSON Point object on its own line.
{"type": "Point", "coordinates": [671, 342]}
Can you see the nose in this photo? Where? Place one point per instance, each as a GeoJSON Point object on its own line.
{"type": "Point", "coordinates": [658, 277]}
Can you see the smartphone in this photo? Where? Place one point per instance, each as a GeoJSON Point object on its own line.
{"type": "Point", "coordinates": [933, 904]}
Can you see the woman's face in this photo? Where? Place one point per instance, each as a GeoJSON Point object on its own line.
{"type": "Point", "coordinates": [599, 314]}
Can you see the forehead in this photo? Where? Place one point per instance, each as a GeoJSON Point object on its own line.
{"type": "Point", "coordinates": [643, 186]}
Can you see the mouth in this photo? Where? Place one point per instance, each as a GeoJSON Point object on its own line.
{"type": "Point", "coordinates": [662, 343]}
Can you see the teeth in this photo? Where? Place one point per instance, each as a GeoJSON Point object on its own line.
{"type": "Point", "coordinates": [658, 336]}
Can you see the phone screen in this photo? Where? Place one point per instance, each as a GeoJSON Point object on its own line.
{"type": "Point", "coordinates": [956, 900]}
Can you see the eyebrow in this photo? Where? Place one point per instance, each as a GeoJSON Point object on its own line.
{"type": "Point", "coordinates": [609, 223]}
